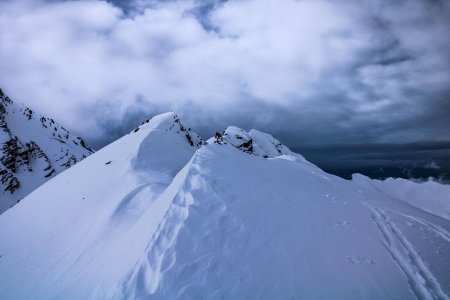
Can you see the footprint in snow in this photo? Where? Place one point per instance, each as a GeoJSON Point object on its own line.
{"type": "Point", "coordinates": [359, 260]}
{"type": "Point", "coordinates": [343, 224]}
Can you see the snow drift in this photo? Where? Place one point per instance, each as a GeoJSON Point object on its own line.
{"type": "Point", "coordinates": [159, 214]}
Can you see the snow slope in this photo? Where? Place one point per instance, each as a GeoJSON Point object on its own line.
{"type": "Point", "coordinates": [33, 149]}
{"type": "Point", "coordinates": [160, 215]}
{"type": "Point", "coordinates": [93, 219]}
{"type": "Point", "coordinates": [429, 196]}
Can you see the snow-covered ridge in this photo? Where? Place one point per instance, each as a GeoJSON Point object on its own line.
{"type": "Point", "coordinates": [159, 214]}
{"type": "Point", "coordinates": [33, 149]}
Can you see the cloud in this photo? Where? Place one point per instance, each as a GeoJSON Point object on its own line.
{"type": "Point", "coordinates": [308, 71]}
{"type": "Point", "coordinates": [432, 165]}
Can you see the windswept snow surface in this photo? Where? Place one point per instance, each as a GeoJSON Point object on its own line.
{"type": "Point", "coordinates": [159, 215]}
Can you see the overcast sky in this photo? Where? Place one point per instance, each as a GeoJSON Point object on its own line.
{"type": "Point", "coordinates": [310, 72]}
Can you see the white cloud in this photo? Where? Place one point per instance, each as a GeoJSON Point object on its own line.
{"type": "Point", "coordinates": [85, 62]}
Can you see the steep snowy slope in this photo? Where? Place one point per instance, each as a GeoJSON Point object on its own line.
{"type": "Point", "coordinates": [156, 215]}
{"type": "Point", "coordinates": [33, 149]}
{"type": "Point", "coordinates": [89, 220]}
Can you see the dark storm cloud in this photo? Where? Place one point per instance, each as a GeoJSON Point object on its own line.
{"type": "Point", "coordinates": [417, 160]}
{"type": "Point", "coordinates": [309, 72]}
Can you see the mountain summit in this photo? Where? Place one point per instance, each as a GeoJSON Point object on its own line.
{"type": "Point", "coordinates": [33, 149]}
{"type": "Point", "coordinates": [160, 214]}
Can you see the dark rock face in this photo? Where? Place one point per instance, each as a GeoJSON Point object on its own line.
{"type": "Point", "coordinates": [9, 181]}
{"type": "Point", "coordinates": [236, 137]}
{"type": "Point", "coordinates": [194, 142]}
{"type": "Point", "coordinates": [218, 138]}
{"type": "Point", "coordinates": [11, 154]}
{"type": "Point", "coordinates": [247, 146]}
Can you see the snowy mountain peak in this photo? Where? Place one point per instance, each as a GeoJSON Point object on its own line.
{"type": "Point", "coordinates": [171, 122]}
{"type": "Point", "coordinates": [160, 146]}
{"type": "Point", "coordinates": [33, 148]}
{"type": "Point", "coordinates": [254, 142]}
{"type": "Point", "coordinates": [236, 137]}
